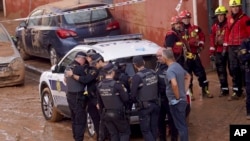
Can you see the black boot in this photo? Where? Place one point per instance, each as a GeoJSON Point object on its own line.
{"type": "Point", "coordinates": [205, 91]}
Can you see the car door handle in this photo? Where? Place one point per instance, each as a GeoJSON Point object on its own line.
{"type": "Point", "coordinates": [45, 33]}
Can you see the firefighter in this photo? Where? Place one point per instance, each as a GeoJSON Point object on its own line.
{"type": "Point", "coordinates": [173, 39]}
{"type": "Point", "coordinates": [218, 53]}
{"type": "Point", "coordinates": [194, 40]}
{"type": "Point", "coordinates": [245, 58]}
{"type": "Point", "coordinates": [236, 32]}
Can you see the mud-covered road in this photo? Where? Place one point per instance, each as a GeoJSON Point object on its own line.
{"type": "Point", "coordinates": [21, 118]}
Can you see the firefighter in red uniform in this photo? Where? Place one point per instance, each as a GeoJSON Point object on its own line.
{"type": "Point", "coordinates": [173, 39]}
{"type": "Point", "coordinates": [218, 53]}
{"type": "Point", "coordinates": [236, 32]}
{"type": "Point", "coordinates": [194, 38]}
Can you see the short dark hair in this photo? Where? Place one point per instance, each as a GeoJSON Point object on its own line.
{"type": "Point", "coordinates": [138, 61]}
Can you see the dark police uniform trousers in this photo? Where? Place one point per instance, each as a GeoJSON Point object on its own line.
{"type": "Point", "coordinates": [77, 105]}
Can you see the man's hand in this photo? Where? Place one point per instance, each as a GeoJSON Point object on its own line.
{"type": "Point", "coordinates": [69, 73]}
{"type": "Point", "coordinates": [97, 106]}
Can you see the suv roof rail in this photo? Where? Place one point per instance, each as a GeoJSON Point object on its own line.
{"type": "Point", "coordinates": [112, 38]}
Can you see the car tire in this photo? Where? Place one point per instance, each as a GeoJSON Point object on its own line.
{"type": "Point", "coordinates": [54, 59]}
{"type": "Point", "coordinates": [49, 110]}
{"type": "Point", "coordinates": [91, 127]}
{"type": "Point", "coordinates": [22, 52]}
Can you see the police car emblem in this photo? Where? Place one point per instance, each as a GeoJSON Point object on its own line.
{"type": "Point", "coordinates": [58, 85]}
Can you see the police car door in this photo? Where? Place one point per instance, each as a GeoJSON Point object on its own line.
{"type": "Point", "coordinates": [58, 85]}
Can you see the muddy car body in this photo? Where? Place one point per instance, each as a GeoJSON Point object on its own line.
{"type": "Point", "coordinates": [12, 70]}
{"type": "Point", "coordinates": [52, 88]}
{"type": "Point", "coordinates": [51, 30]}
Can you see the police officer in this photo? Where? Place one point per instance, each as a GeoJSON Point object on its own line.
{"type": "Point", "coordinates": [91, 87]}
{"type": "Point", "coordinates": [236, 32]}
{"type": "Point", "coordinates": [121, 75]}
{"type": "Point", "coordinates": [144, 91]}
{"type": "Point", "coordinates": [98, 63]}
{"type": "Point", "coordinates": [91, 79]}
{"type": "Point", "coordinates": [75, 96]}
{"type": "Point", "coordinates": [164, 103]}
{"type": "Point", "coordinates": [195, 39]}
{"type": "Point", "coordinates": [113, 97]}
{"type": "Point", "coordinates": [218, 53]}
{"type": "Point", "coordinates": [245, 58]}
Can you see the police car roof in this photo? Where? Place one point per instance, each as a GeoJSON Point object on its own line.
{"type": "Point", "coordinates": [112, 50]}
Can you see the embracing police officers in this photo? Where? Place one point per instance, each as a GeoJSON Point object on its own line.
{"type": "Point", "coordinates": [144, 92]}
{"type": "Point", "coordinates": [75, 96]}
{"type": "Point", "coordinates": [113, 96]}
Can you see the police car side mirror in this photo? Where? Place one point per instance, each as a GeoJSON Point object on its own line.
{"type": "Point", "coordinates": [23, 24]}
{"type": "Point", "coordinates": [54, 68]}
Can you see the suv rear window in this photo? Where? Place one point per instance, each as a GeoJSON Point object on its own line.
{"type": "Point", "coordinates": [86, 16]}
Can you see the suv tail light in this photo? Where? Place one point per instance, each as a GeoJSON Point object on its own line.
{"type": "Point", "coordinates": [113, 25]}
{"type": "Point", "coordinates": [64, 33]}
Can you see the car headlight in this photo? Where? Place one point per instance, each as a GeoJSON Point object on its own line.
{"type": "Point", "coordinates": [16, 64]}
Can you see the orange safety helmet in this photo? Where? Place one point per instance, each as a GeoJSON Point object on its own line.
{"type": "Point", "coordinates": [185, 14]}
{"type": "Point", "coordinates": [175, 19]}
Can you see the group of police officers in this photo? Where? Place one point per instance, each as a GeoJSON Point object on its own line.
{"type": "Point", "coordinates": [111, 92]}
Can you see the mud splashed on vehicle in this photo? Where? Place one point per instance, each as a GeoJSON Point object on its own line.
{"type": "Point", "coordinates": [6, 49]}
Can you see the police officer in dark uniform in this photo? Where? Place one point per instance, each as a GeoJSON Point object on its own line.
{"type": "Point", "coordinates": [113, 97]}
{"type": "Point", "coordinates": [91, 87]}
{"type": "Point", "coordinates": [75, 96]}
{"type": "Point", "coordinates": [121, 75]}
{"type": "Point", "coordinates": [91, 79]}
{"type": "Point", "coordinates": [245, 59]}
{"type": "Point", "coordinates": [161, 69]}
{"type": "Point", "coordinates": [98, 63]}
{"type": "Point", "coordinates": [144, 91]}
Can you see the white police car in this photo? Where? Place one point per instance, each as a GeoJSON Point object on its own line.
{"type": "Point", "coordinates": [52, 88]}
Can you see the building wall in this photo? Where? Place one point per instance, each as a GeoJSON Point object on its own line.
{"type": "Point", "coordinates": [21, 8]}
{"type": "Point", "coordinates": [152, 19]}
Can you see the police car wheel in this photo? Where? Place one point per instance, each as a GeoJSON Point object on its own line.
{"type": "Point", "coordinates": [49, 111]}
{"type": "Point", "coordinates": [90, 126]}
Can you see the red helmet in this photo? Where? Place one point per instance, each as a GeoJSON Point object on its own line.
{"type": "Point", "coordinates": [175, 19]}
{"type": "Point", "coordinates": [185, 14]}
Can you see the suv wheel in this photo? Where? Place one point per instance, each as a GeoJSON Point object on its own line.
{"type": "Point", "coordinates": [90, 126]}
{"type": "Point", "coordinates": [54, 59]}
{"type": "Point", "coordinates": [49, 110]}
{"type": "Point", "coordinates": [22, 52]}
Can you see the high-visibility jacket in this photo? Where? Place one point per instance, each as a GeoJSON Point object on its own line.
{"type": "Point", "coordinates": [194, 36]}
{"type": "Point", "coordinates": [217, 36]}
{"type": "Point", "coordinates": [237, 29]}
